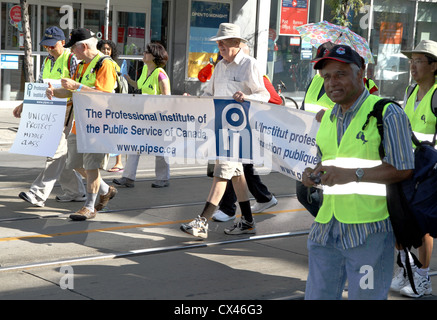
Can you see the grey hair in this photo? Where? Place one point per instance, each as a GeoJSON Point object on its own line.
{"type": "Point", "coordinates": [91, 42]}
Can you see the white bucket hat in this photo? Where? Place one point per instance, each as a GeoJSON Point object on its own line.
{"type": "Point", "coordinates": [427, 47]}
{"type": "Point", "coordinates": [228, 31]}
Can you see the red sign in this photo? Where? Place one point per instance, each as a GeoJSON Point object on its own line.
{"type": "Point", "coordinates": [120, 33]}
{"type": "Point", "coordinates": [294, 13]}
{"type": "Point", "coordinates": [391, 32]}
{"type": "Point", "coordinates": [136, 32]}
{"type": "Point", "coordinates": [15, 14]}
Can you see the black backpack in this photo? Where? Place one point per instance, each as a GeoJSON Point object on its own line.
{"type": "Point", "coordinates": [417, 194]}
{"type": "Point", "coordinates": [412, 203]}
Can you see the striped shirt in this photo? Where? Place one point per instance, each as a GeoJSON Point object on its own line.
{"type": "Point", "coordinates": [397, 146]}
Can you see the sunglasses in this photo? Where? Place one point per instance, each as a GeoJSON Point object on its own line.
{"type": "Point", "coordinates": [49, 47]}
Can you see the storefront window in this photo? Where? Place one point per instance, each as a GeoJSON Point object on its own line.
{"type": "Point", "coordinates": [94, 20]}
{"type": "Point", "coordinates": [160, 22]}
{"type": "Point", "coordinates": [12, 78]}
{"type": "Point", "coordinates": [12, 32]}
{"type": "Point", "coordinates": [205, 19]}
{"type": "Point", "coordinates": [65, 17]}
{"type": "Point", "coordinates": [286, 63]}
{"type": "Point", "coordinates": [392, 32]}
{"type": "Point", "coordinates": [425, 22]}
{"type": "Point", "coordinates": [131, 32]}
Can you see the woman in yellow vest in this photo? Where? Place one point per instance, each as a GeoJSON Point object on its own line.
{"type": "Point", "coordinates": [108, 47]}
{"type": "Point", "coordinates": [153, 80]}
{"type": "Point", "coordinates": [352, 238]}
{"type": "Point", "coordinates": [418, 107]}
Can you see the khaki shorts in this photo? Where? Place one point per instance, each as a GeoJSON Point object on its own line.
{"type": "Point", "coordinates": [227, 170]}
{"type": "Point", "coordinates": [75, 160]}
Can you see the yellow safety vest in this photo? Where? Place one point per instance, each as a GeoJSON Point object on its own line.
{"type": "Point", "coordinates": [422, 119]}
{"type": "Point", "coordinates": [60, 69]}
{"type": "Point", "coordinates": [311, 102]}
{"type": "Point", "coordinates": [150, 84]}
{"type": "Point", "coordinates": [89, 77]}
{"type": "Point", "coordinates": [354, 202]}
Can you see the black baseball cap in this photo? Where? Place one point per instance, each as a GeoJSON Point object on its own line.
{"type": "Point", "coordinates": [51, 36]}
{"type": "Point", "coordinates": [77, 35]}
{"type": "Point", "coordinates": [341, 53]}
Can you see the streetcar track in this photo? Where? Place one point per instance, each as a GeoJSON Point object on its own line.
{"type": "Point", "coordinates": [149, 251]}
{"type": "Point", "coordinates": [187, 204]}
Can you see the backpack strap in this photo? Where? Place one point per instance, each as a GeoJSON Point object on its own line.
{"type": "Point", "coordinates": [434, 103]}
{"type": "Point", "coordinates": [410, 89]}
{"type": "Point", "coordinates": [69, 61]}
{"type": "Point", "coordinates": [408, 270]}
{"type": "Point", "coordinates": [100, 63]}
{"type": "Point", "coordinates": [434, 111]}
{"type": "Point", "coordinates": [377, 113]}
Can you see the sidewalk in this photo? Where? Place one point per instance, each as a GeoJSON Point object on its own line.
{"type": "Point", "coordinates": [8, 124]}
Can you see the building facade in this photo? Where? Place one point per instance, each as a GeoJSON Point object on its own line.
{"type": "Point", "coordinates": [184, 26]}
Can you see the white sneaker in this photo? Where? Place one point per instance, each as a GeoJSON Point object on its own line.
{"type": "Point", "coordinates": [260, 207]}
{"type": "Point", "coordinates": [399, 280]}
{"type": "Point", "coordinates": [422, 284]}
{"type": "Point", "coordinates": [67, 198]}
{"type": "Point", "coordinates": [242, 227]}
{"type": "Point", "coordinates": [220, 216]}
{"type": "Point", "coordinates": [198, 227]}
{"type": "Point", "coordinates": [32, 198]}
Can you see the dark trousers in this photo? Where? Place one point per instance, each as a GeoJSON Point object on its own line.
{"type": "Point", "coordinates": [256, 188]}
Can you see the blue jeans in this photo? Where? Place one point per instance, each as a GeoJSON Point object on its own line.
{"type": "Point", "coordinates": [368, 268]}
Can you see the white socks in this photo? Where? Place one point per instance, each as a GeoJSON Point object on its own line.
{"type": "Point", "coordinates": [421, 271]}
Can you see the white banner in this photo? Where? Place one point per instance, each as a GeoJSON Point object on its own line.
{"type": "Point", "coordinates": [196, 129]}
{"type": "Point", "coordinates": [41, 123]}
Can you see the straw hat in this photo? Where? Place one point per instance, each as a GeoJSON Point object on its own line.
{"type": "Point", "coordinates": [427, 47]}
{"type": "Point", "coordinates": [228, 31]}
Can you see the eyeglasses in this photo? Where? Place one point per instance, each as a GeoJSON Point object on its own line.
{"type": "Point", "coordinates": [227, 42]}
{"type": "Point", "coordinates": [417, 62]}
{"type": "Point", "coordinates": [49, 47]}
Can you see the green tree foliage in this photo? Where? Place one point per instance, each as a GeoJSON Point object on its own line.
{"type": "Point", "coordinates": [342, 8]}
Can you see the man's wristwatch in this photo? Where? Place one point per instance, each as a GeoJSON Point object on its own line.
{"type": "Point", "coordinates": [359, 173]}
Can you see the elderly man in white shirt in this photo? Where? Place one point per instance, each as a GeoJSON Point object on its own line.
{"type": "Point", "coordinates": [237, 75]}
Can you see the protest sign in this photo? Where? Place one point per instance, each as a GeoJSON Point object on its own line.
{"type": "Point", "coordinates": [197, 129]}
{"type": "Point", "coordinates": [41, 124]}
